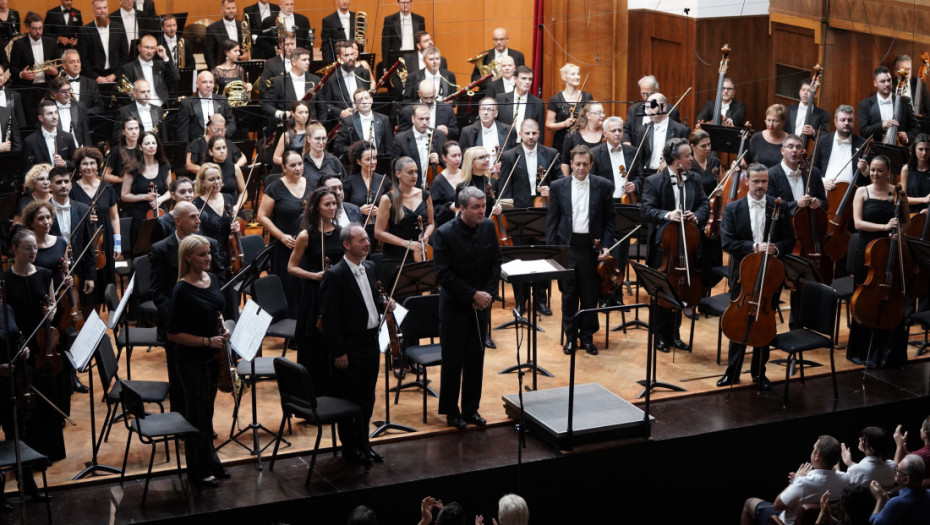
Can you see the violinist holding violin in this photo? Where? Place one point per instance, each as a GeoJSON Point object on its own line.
{"type": "Point", "coordinates": [743, 230]}
{"type": "Point", "coordinates": [660, 206]}
{"type": "Point", "coordinates": [68, 224]}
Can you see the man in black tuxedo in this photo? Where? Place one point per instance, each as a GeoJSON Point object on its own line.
{"type": "Point", "coordinates": [467, 259]}
{"type": "Point", "coordinates": [84, 89]}
{"type": "Point", "coordinates": [414, 61]}
{"type": "Point", "coordinates": [527, 105]}
{"type": "Point", "coordinates": [62, 23]}
{"type": "Point", "coordinates": [500, 50]}
{"type": "Point", "coordinates": [10, 119]}
{"type": "Point", "coordinates": [835, 150]}
{"type": "Point", "coordinates": [487, 131]}
{"type": "Point", "coordinates": [158, 73]}
{"type": "Point", "coordinates": [361, 124]}
{"type": "Point", "coordinates": [337, 26]}
{"type": "Point", "coordinates": [135, 24]}
{"type": "Point", "coordinates": [291, 87]}
{"type": "Point", "coordinates": [173, 44]}
{"type": "Point", "coordinates": [350, 304]}
{"type": "Point", "coordinates": [336, 93]}
{"type": "Point", "coordinates": [399, 31]}
{"type": "Point", "coordinates": [797, 121]}
{"type": "Point", "coordinates": [148, 115]}
{"type": "Point", "coordinates": [743, 230]}
{"type": "Point", "coordinates": [67, 224]}
{"type": "Point", "coordinates": [442, 116]}
{"type": "Point", "coordinates": [732, 112]}
{"type": "Point", "coordinates": [262, 15]}
{"type": "Point", "coordinates": [636, 116]}
{"type": "Point", "coordinates": [876, 113]}
{"type": "Point", "coordinates": [297, 24]}
{"type": "Point", "coordinates": [580, 210]}
{"type": "Point", "coordinates": [278, 65]}
{"type": "Point", "coordinates": [910, 90]}
{"type": "Point", "coordinates": [661, 209]}
{"type": "Point", "coordinates": [443, 80]}
{"type": "Point", "coordinates": [218, 32]}
{"type": "Point", "coordinates": [415, 142]}
{"type": "Point", "coordinates": [72, 117]}
{"type": "Point", "coordinates": [660, 130]}
{"type": "Point", "coordinates": [25, 54]}
{"type": "Point", "coordinates": [507, 80]}
{"type": "Point", "coordinates": [197, 109]}
{"type": "Point", "coordinates": [47, 144]}
{"type": "Point", "coordinates": [102, 62]}
{"type": "Point", "coordinates": [347, 213]}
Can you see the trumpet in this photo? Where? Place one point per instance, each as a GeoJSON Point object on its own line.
{"type": "Point", "coordinates": [45, 65]}
{"type": "Point", "coordinates": [361, 27]}
{"type": "Point", "coordinates": [246, 35]}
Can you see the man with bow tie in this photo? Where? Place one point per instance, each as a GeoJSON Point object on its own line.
{"type": "Point", "coordinates": [158, 73]}
{"type": "Point", "coordinates": [743, 230]}
{"type": "Point", "coordinates": [47, 144]}
{"type": "Point", "coordinates": [732, 112]}
{"type": "Point", "coordinates": [197, 109]}
{"type": "Point", "coordinates": [84, 89]}
{"type": "Point", "coordinates": [663, 207]}
{"type": "Point", "coordinates": [72, 117]}
{"type": "Point", "coordinates": [61, 23]}
{"type": "Point", "coordinates": [173, 43]}
{"type": "Point", "coordinates": [876, 113]}
{"type": "Point", "coordinates": [658, 132]}
{"type": "Point", "coordinates": [148, 115]}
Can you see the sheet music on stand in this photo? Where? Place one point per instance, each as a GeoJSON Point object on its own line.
{"type": "Point", "coordinates": [250, 330]}
{"type": "Point", "coordinates": [384, 337]}
{"type": "Point", "coordinates": [522, 267]}
{"type": "Point", "coordinates": [114, 316]}
{"type": "Point", "coordinates": [86, 341]}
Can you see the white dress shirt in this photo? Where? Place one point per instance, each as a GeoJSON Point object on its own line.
{"type": "Point", "coordinates": [519, 108]}
{"type": "Point", "coordinates": [362, 280]}
{"type": "Point", "coordinates": [148, 71]}
{"type": "Point", "coordinates": [346, 21]}
{"type": "Point", "coordinates": [231, 29]}
{"type": "Point", "coordinates": [172, 45]}
{"type": "Point", "coordinates": [349, 78]}
{"type": "Point", "coordinates": [422, 149]}
{"type": "Point", "coordinates": [794, 181]}
{"type": "Point", "coordinates": [66, 14]}
{"type": "Point", "coordinates": [616, 161]}
{"type": "Point", "coordinates": [508, 84]}
{"type": "Point", "coordinates": [145, 116]}
{"type": "Point", "coordinates": [724, 110]}
{"type": "Point", "coordinates": [532, 161]}
{"type": "Point", "coordinates": [63, 217]}
{"type": "Point", "coordinates": [288, 21]}
{"type": "Point", "coordinates": [757, 219]}
{"type": "Point", "coordinates": [406, 32]}
{"type": "Point", "coordinates": [38, 53]}
{"type": "Point", "coordinates": [581, 196]}
{"type": "Point", "coordinates": [104, 33]}
{"type": "Point", "coordinates": [683, 193]}
{"type": "Point", "coordinates": [64, 119]}
{"type": "Point", "coordinates": [264, 10]}
{"type": "Point", "coordinates": [206, 105]}
{"type": "Point", "coordinates": [50, 143]}
{"type": "Point", "coordinates": [489, 138]}
{"type": "Point", "coordinates": [799, 119]}
{"type": "Point", "coordinates": [886, 109]}
{"type": "Point", "coordinates": [659, 132]}
{"type": "Point", "coordinates": [366, 123]}
{"type": "Point", "coordinates": [300, 85]}
{"type": "Point", "coordinates": [839, 160]}
{"type": "Point", "coordinates": [130, 25]}
{"type": "Point", "coordinates": [342, 218]}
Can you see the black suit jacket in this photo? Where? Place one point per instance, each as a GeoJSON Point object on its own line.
{"type": "Point", "coordinates": [21, 57]}
{"type": "Point", "coordinates": [353, 212]}
{"type": "Point", "coordinates": [332, 32]}
{"type": "Point", "coordinates": [658, 199]}
{"type": "Point", "coordinates": [780, 187]}
{"type": "Point", "coordinates": [869, 118]}
{"type": "Point", "coordinates": [675, 130]}
{"type": "Point", "coordinates": [494, 88]}
{"type": "Point", "coordinates": [601, 211]}
{"type": "Point", "coordinates": [819, 118]}
{"type": "Point", "coordinates": [163, 73]}
{"type": "Point", "coordinates": [9, 125]}
{"type": "Point", "coordinates": [131, 109]}
{"type": "Point", "coordinates": [517, 57]}
{"type": "Point", "coordinates": [445, 116]}
{"type": "Point", "coordinates": [302, 31]}
{"type": "Point", "coordinates": [89, 95]}
{"type": "Point", "coordinates": [87, 266]}
{"type": "Point", "coordinates": [188, 52]}
{"type": "Point", "coordinates": [164, 259]}
{"type": "Point", "coordinates": [55, 25]}
{"type": "Point", "coordinates": [147, 24]}
{"type": "Point", "coordinates": [190, 119]}
{"type": "Point", "coordinates": [14, 102]}
{"type": "Point", "coordinates": [924, 108]}
{"type": "Point", "coordinates": [351, 131]}
{"type": "Point", "coordinates": [445, 88]}
{"type": "Point", "coordinates": [736, 113]}
{"type": "Point", "coordinates": [466, 261]}
{"type": "Point", "coordinates": [471, 136]}
{"type": "Point", "coordinates": [633, 123]}
{"type": "Point", "coordinates": [405, 145]}
{"type": "Point", "coordinates": [263, 33]}
{"type": "Point", "coordinates": [603, 168]}
{"type": "Point", "coordinates": [736, 232]}
{"type": "Point", "coordinates": [213, 41]}
{"type": "Point", "coordinates": [391, 36]}
{"type": "Point", "coordinates": [35, 151]}
{"type": "Point", "coordinates": [345, 316]}
{"type": "Point", "coordinates": [335, 96]}
{"type": "Point", "coordinates": [535, 109]}
{"type": "Point", "coordinates": [281, 96]}
{"type": "Point", "coordinates": [519, 188]}
{"type": "Point", "coordinates": [274, 67]}
{"type": "Point", "coordinates": [90, 47]}
{"type": "Point", "coordinates": [79, 127]}
{"type": "Point", "coordinates": [825, 149]}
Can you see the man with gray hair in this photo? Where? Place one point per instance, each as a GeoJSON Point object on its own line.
{"type": "Point", "coordinates": [486, 131]}
{"type": "Point", "coordinates": [912, 504]}
{"type": "Point", "coordinates": [442, 79]}
{"type": "Point", "coordinates": [441, 115]}
{"type": "Point", "coordinates": [636, 117]}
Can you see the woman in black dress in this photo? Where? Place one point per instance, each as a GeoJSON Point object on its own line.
{"type": "Point", "coordinates": [365, 188]}
{"type": "Point", "coordinates": [443, 189]}
{"type": "Point", "coordinates": [564, 106]}
{"type": "Point", "coordinates": [765, 147]}
{"type": "Point", "coordinates": [215, 212]}
{"type": "Point", "coordinates": [39, 187]}
{"type": "Point", "coordinates": [588, 131]}
{"type": "Point", "coordinates": [707, 168]}
{"type": "Point", "coordinates": [296, 136]}
{"type": "Point", "coordinates": [25, 288]}
{"type": "Point", "coordinates": [9, 23]}
{"type": "Point", "coordinates": [278, 213]}
{"type": "Point", "coordinates": [874, 217]}
{"type": "Point", "coordinates": [194, 326]}
{"type": "Point", "coordinates": [145, 184]}
{"type": "Point", "coordinates": [227, 70]}
{"type": "Point", "coordinates": [397, 221]}
{"type": "Point", "coordinates": [317, 159]}
{"type": "Point", "coordinates": [318, 247]}
{"type": "Point", "coordinates": [915, 176]}
{"type": "Point", "coordinates": [218, 153]}
{"type": "Point", "coordinates": [124, 155]}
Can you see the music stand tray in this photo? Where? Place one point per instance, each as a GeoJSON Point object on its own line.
{"type": "Point", "coordinates": [723, 139]}
{"type": "Point", "coordinates": [661, 294]}
{"type": "Point", "coordinates": [526, 222]}
{"type": "Point", "coordinates": [416, 279]}
{"type": "Point", "coordinates": [898, 155]}
{"type": "Point", "coordinates": [531, 252]}
{"type": "Point", "coordinates": [627, 218]}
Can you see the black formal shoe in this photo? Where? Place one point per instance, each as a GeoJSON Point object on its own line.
{"type": "Point", "coordinates": [590, 348]}
{"type": "Point", "coordinates": [356, 457]}
{"type": "Point", "coordinates": [726, 380]}
{"type": "Point", "coordinates": [78, 386]}
{"type": "Point", "coordinates": [210, 483]}
{"type": "Point", "coordinates": [455, 420]}
{"type": "Point", "coordinates": [543, 308]}
{"type": "Point", "coordinates": [567, 349]}
{"type": "Point", "coordinates": [374, 456]}
{"type": "Point", "coordinates": [681, 345]}
{"type": "Point", "coordinates": [221, 473]}
{"type": "Point", "coordinates": [662, 346]}
{"type": "Point", "coordinates": [475, 419]}
{"type": "Point", "coordinates": [764, 384]}
{"type": "Point", "coordinates": [488, 342]}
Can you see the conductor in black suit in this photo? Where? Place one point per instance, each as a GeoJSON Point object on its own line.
{"type": "Point", "coordinates": [743, 230]}
{"type": "Point", "coordinates": [797, 121]}
{"type": "Point", "coordinates": [337, 26]}
{"type": "Point", "coordinates": [159, 73]}
{"type": "Point", "coordinates": [62, 23]}
{"type": "Point", "coordinates": [580, 210]}
{"type": "Point", "coordinates": [47, 144]}
{"type": "Point", "coordinates": [102, 62]}
{"type": "Point", "coordinates": [399, 30]}
{"type": "Point", "coordinates": [875, 114]}
{"type": "Point", "coordinates": [661, 208]}
{"type": "Point", "coordinates": [501, 49]}
{"type": "Point", "coordinates": [732, 112]}
{"type": "Point", "coordinates": [467, 259]}
{"type": "Point", "coordinates": [350, 324]}
{"type": "Point", "coordinates": [520, 103]}
{"type": "Point", "coordinates": [262, 15]}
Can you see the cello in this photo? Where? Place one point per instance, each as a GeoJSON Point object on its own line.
{"type": "Point", "coordinates": [733, 185]}
{"type": "Point", "coordinates": [810, 226]}
{"type": "Point", "coordinates": [750, 319]}
{"type": "Point", "coordinates": [679, 249]}
{"type": "Point", "coordinates": [722, 70]}
{"type": "Point", "coordinates": [878, 302]}
{"type": "Point", "coordinates": [839, 210]}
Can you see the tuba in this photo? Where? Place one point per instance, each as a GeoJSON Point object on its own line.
{"type": "Point", "coordinates": [361, 27]}
{"type": "Point", "coordinates": [246, 35]}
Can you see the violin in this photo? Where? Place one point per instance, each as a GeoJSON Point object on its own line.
{"type": "Point", "coordinates": [48, 360]}
{"type": "Point", "coordinates": [679, 249]}
{"type": "Point", "coordinates": [735, 185]}
{"type": "Point", "coordinates": [628, 197]}
{"type": "Point", "coordinates": [433, 169]}
{"type": "Point", "coordinates": [750, 319]}
{"type": "Point", "coordinates": [839, 211]}
{"type": "Point", "coordinates": [426, 250]}
{"type": "Point", "coordinates": [235, 244]}
{"type": "Point", "coordinates": [539, 201]}
{"type": "Point", "coordinates": [227, 378]}
{"type": "Point", "coordinates": [72, 318]}
{"type": "Point", "coordinates": [99, 253]}
{"type": "Point", "coordinates": [607, 271]}
{"type": "Point", "coordinates": [500, 222]}
{"type": "Point", "coordinates": [390, 322]}
{"type": "Point", "coordinates": [879, 301]}
{"type": "Point", "coordinates": [156, 211]}
{"type": "Point", "coordinates": [810, 226]}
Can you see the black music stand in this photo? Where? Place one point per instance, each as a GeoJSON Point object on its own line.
{"type": "Point", "coordinates": [524, 223]}
{"type": "Point", "coordinates": [143, 242]}
{"type": "Point", "coordinates": [798, 271]}
{"type": "Point", "coordinates": [920, 252]}
{"type": "Point", "coordinates": [558, 271]}
{"type": "Point", "coordinates": [924, 124]}
{"type": "Point", "coordinates": [416, 279]}
{"type": "Point", "coordinates": [660, 293]}
{"type": "Point", "coordinates": [628, 217]}
{"type": "Point", "coordinates": [723, 139]}
{"type": "Point", "coordinates": [898, 155]}
{"type": "Point", "coordinates": [94, 465]}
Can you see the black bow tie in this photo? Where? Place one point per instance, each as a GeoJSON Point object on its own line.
{"type": "Point", "coordinates": [74, 79]}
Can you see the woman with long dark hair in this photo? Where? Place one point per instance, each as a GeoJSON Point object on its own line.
{"type": "Point", "coordinates": [145, 184]}
{"type": "Point", "coordinates": [399, 215]}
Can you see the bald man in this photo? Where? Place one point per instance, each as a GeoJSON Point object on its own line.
{"type": "Point", "coordinates": [660, 130]}
{"type": "Point", "coordinates": [442, 118]}
{"type": "Point", "coordinates": [506, 82]}
{"type": "Point", "coordinates": [148, 115]}
{"type": "Point", "coordinates": [197, 109]}
{"type": "Point", "coordinates": [501, 49]}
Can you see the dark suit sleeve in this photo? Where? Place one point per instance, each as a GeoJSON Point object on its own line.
{"type": "Point", "coordinates": [552, 217]}
{"type": "Point", "coordinates": [274, 93]}
{"type": "Point", "coordinates": [608, 210]}
{"type": "Point", "coordinates": [650, 202]}
{"type": "Point", "coordinates": [729, 240]}
{"type": "Point", "coordinates": [161, 288]}
{"type": "Point", "coordinates": [867, 128]}
{"type": "Point", "coordinates": [786, 236]}
{"type": "Point", "coordinates": [331, 301]}
{"type": "Point", "coordinates": [707, 113]}
{"type": "Point", "coordinates": [388, 141]}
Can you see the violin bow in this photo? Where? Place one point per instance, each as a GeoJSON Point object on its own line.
{"type": "Point", "coordinates": [681, 222]}
{"type": "Point", "coordinates": [551, 164]}
{"type": "Point", "coordinates": [500, 151]}
{"type": "Point", "coordinates": [810, 171]}
{"type": "Point", "coordinates": [729, 173]}
{"type": "Point", "coordinates": [381, 185]}
{"type": "Point", "coordinates": [580, 95]}
{"type": "Point", "coordinates": [865, 146]}
{"type": "Point", "coordinates": [500, 193]}
{"type": "Point", "coordinates": [625, 237]}
{"type": "Point", "coordinates": [241, 200]}
{"type": "Point", "coordinates": [394, 286]}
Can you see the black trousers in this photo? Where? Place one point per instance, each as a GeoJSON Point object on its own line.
{"type": "Point", "coordinates": [357, 384]}
{"type": "Point", "coordinates": [198, 371]}
{"type": "Point", "coordinates": [462, 337]}
{"type": "Point", "coordinates": [581, 289]}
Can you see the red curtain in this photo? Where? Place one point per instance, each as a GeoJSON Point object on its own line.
{"type": "Point", "coordinates": [538, 35]}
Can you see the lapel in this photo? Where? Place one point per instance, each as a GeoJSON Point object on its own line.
{"type": "Point", "coordinates": [743, 219]}
{"type": "Point", "coordinates": [351, 283]}
{"type": "Point", "coordinates": [357, 124]}
{"type": "Point", "coordinates": [593, 198]}
{"type": "Point", "coordinates": [501, 133]}
{"type": "Point", "coordinates": [137, 70]}
{"type": "Point", "coordinates": [290, 90]}
{"type": "Point", "coordinates": [875, 112]}
{"type": "Point", "coordinates": [412, 147]}
{"type": "Point", "coordinates": [198, 108]}
{"type": "Point", "coordinates": [567, 199]}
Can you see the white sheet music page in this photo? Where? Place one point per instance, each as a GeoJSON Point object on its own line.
{"type": "Point", "coordinates": [521, 267]}
{"type": "Point", "coordinates": [250, 330]}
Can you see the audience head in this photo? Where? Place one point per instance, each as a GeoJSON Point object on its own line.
{"type": "Point", "coordinates": [362, 515]}
{"type": "Point", "coordinates": [451, 514]}
{"type": "Point", "coordinates": [911, 471]}
{"type": "Point", "coordinates": [826, 452]}
{"type": "Point", "coordinates": [873, 441]}
{"type": "Point", "coordinates": [512, 510]}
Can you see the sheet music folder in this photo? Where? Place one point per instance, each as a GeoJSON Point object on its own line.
{"type": "Point", "coordinates": [521, 271]}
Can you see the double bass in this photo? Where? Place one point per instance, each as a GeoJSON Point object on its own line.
{"type": "Point", "coordinates": [839, 210]}
{"type": "Point", "coordinates": [750, 319]}
{"type": "Point", "coordinates": [679, 252]}
{"type": "Point", "coordinates": [891, 136]}
{"type": "Point", "coordinates": [816, 79]}
{"type": "Point", "coordinates": [918, 94]}
{"type": "Point", "coordinates": [722, 70]}
{"type": "Point", "coordinates": [810, 226]}
{"type": "Point", "coordinates": [733, 185]}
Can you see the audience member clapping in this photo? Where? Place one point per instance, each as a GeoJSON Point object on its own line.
{"type": "Point", "coordinates": [901, 441]}
{"type": "Point", "coordinates": [877, 446]}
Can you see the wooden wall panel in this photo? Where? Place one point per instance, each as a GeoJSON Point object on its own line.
{"type": "Point", "coordinates": [795, 47]}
